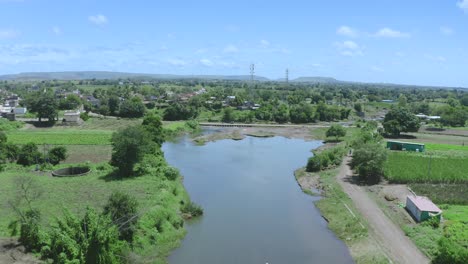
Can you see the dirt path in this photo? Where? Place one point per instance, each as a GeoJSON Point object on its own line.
{"type": "Point", "coordinates": [388, 235]}
{"type": "Point", "coordinates": [11, 252]}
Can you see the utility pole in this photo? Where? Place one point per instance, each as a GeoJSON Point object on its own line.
{"type": "Point", "coordinates": [287, 76]}
{"type": "Point", "coordinates": [252, 80]}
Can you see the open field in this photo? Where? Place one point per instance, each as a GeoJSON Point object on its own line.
{"type": "Point", "coordinates": [404, 167]}
{"type": "Point", "coordinates": [158, 198]}
{"type": "Point", "coordinates": [436, 138]}
{"type": "Point", "coordinates": [60, 137]}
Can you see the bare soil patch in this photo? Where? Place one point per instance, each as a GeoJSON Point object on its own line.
{"type": "Point", "coordinates": [11, 252]}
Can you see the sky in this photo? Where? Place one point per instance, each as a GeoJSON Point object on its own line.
{"type": "Point", "coordinates": [421, 42]}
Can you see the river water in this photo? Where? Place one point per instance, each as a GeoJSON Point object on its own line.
{"type": "Point", "coordinates": [254, 211]}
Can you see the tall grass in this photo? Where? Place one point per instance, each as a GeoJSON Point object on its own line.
{"type": "Point", "coordinates": [403, 167]}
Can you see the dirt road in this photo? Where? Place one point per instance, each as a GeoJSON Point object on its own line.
{"type": "Point", "coordinates": [388, 235]}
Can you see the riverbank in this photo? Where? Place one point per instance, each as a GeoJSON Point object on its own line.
{"type": "Point", "coordinates": [239, 133]}
{"type": "Point", "coordinates": [341, 215]}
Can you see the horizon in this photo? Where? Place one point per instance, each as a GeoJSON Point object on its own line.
{"type": "Point", "coordinates": [393, 42]}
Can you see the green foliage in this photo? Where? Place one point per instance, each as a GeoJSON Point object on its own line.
{"type": "Point", "coordinates": [6, 125]}
{"type": "Point", "coordinates": [179, 111]}
{"type": "Point", "coordinates": [61, 137]}
{"type": "Point", "coordinates": [28, 155]}
{"type": "Point", "coordinates": [92, 239]}
{"type": "Point", "coordinates": [171, 173]}
{"type": "Point", "coordinates": [123, 211]}
{"type": "Point", "coordinates": [45, 105]}
{"type": "Point", "coordinates": [368, 160]}
{"type": "Point", "coordinates": [404, 167]}
{"type": "Point", "coordinates": [132, 108]}
{"type": "Point", "coordinates": [128, 147]}
{"type": "Point", "coordinates": [84, 116]}
{"type": "Point", "coordinates": [302, 113]}
{"type": "Point", "coordinates": [399, 120]}
{"type": "Point", "coordinates": [336, 131]}
{"type": "Point", "coordinates": [326, 158]}
{"type": "Point", "coordinates": [228, 115]}
{"type": "Point", "coordinates": [71, 102]}
{"type": "Point", "coordinates": [153, 125]}
{"type": "Point", "coordinates": [31, 237]}
{"type": "Point", "coordinates": [454, 117]}
{"type": "Point", "coordinates": [57, 154]}
{"type": "Point", "coordinates": [453, 246]}
{"type": "Point", "coordinates": [358, 107]}
{"type": "Point", "coordinates": [191, 209]}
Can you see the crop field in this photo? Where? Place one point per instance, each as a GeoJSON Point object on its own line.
{"type": "Point", "coordinates": [403, 167]}
{"type": "Point", "coordinates": [60, 137]}
{"type": "Point", "coordinates": [445, 147]}
{"type": "Point", "coordinates": [443, 193]}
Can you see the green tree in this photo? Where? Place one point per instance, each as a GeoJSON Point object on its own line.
{"type": "Point", "coordinates": [71, 102]}
{"type": "Point", "coordinates": [153, 125]}
{"type": "Point", "coordinates": [132, 108]}
{"type": "Point", "coordinates": [128, 147]}
{"type": "Point", "coordinates": [358, 107]}
{"type": "Point", "coordinates": [57, 154]}
{"type": "Point", "coordinates": [399, 120]}
{"type": "Point", "coordinates": [123, 210]}
{"type": "Point", "coordinates": [113, 104]}
{"type": "Point", "coordinates": [29, 154]}
{"type": "Point", "coordinates": [45, 105]}
{"type": "Point", "coordinates": [368, 160]}
{"type": "Point", "coordinates": [228, 115]}
{"type": "Point", "coordinates": [336, 131]}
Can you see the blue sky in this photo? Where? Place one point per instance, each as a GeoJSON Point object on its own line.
{"type": "Point", "coordinates": [397, 41]}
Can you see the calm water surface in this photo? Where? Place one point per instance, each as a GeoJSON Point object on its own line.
{"type": "Point", "coordinates": [254, 211]}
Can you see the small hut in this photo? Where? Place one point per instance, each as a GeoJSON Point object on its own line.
{"type": "Point", "coordinates": [422, 208]}
{"type": "Point", "coordinates": [406, 146]}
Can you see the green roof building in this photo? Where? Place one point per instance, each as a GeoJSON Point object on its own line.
{"type": "Point", "coordinates": [406, 146]}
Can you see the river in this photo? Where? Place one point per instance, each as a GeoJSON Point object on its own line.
{"type": "Point", "coordinates": [254, 211]}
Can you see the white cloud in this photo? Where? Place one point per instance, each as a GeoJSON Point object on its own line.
{"type": "Point", "coordinates": [26, 53]}
{"type": "Point", "coordinates": [206, 62]}
{"type": "Point", "coordinates": [349, 48]}
{"type": "Point", "coordinates": [99, 20]}
{"type": "Point", "coordinates": [446, 31]}
{"type": "Point", "coordinates": [377, 69]}
{"type": "Point", "coordinates": [163, 48]}
{"type": "Point", "coordinates": [56, 30]}
{"type": "Point", "coordinates": [9, 33]}
{"type": "Point", "coordinates": [347, 31]}
{"type": "Point", "coordinates": [390, 33]}
{"type": "Point", "coordinates": [264, 43]}
{"type": "Point", "coordinates": [435, 58]}
{"type": "Point", "coordinates": [177, 62]}
{"type": "Point", "coordinates": [463, 4]}
{"type": "Point", "coordinates": [231, 49]}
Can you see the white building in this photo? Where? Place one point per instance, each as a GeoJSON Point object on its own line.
{"type": "Point", "coordinates": [72, 116]}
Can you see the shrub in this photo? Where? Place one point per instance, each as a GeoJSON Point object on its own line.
{"type": "Point", "coordinates": [313, 165]}
{"type": "Point", "coordinates": [57, 154]}
{"type": "Point", "coordinates": [84, 116]}
{"type": "Point", "coordinates": [171, 173]}
{"type": "Point", "coordinates": [191, 209]}
{"type": "Point", "coordinates": [29, 154]}
{"type": "Point", "coordinates": [336, 131]}
{"type": "Point", "coordinates": [122, 209]}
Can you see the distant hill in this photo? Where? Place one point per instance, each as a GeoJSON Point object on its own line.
{"type": "Point", "coordinates": [316, 80]}
{"type": "Point", "coordinates": [101, 75]}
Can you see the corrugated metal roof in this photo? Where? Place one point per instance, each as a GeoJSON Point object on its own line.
{"type": "Point", "coordinates": [424, 204]}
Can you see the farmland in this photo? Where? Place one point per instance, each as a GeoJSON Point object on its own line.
{"type": "Point", "coordinates": [419, 168]}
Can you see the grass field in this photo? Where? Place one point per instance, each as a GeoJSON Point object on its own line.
{"type": "Point", "coordinates": [404, 167]}
{"type": "Point", "coordinates": [158, 198]}
{"type": "Point", "coordinates": [445, 147]}
{"type": "Point", "coordinates": [92, 132]}
{"type": "Point", "coordinates": [61, 137]}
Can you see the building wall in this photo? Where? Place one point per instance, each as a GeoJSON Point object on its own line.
{"type": "Point", "coordinates": [413, 210]}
